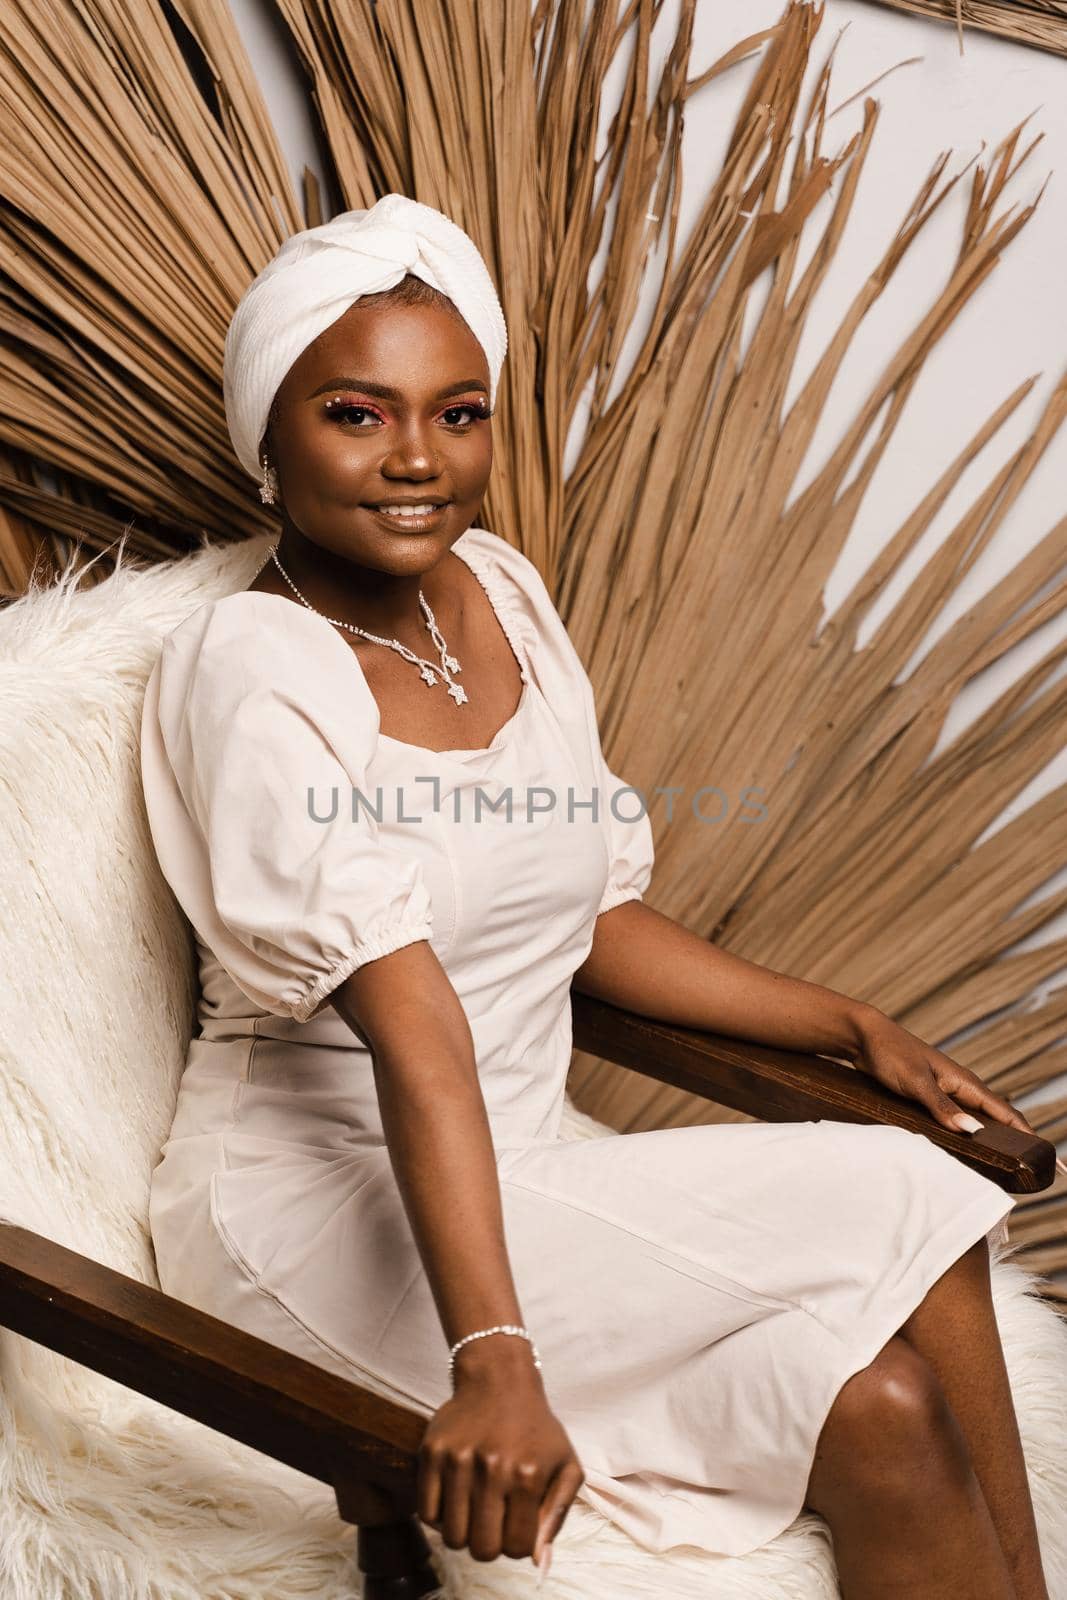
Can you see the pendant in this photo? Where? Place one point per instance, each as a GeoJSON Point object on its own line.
{"type": "Point", "coordinates": [452, 664]}
{"type": "Point", "coordinates": [427, 674]}
{"type": "Point", "coordinates": [458, 693]}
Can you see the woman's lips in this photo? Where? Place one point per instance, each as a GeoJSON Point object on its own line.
{"type": "Point", "coordinates": [422, 523]}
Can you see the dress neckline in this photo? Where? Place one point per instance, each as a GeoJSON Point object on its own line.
{"type": "Point", "coordinates": [510, 625]}
{"type": "Point", "coordinates": [500, 740]}
{"type": "Point", "coordinates": [485, 576]}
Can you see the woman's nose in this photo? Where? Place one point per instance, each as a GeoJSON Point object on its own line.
{"type": "Point", "coordinates": [413, 453]}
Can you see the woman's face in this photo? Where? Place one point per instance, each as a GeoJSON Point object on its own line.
{"type": "Point", "coordinates": [390, 403]}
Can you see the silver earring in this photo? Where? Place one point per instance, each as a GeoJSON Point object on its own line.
{"type": "Point", "coordinates": [268, 489]}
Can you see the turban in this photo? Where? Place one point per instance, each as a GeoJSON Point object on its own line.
{"type": "Point", "coordinates": [317, 274]}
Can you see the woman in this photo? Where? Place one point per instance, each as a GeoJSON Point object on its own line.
{"type": "Point", "coordinates": [371, 779]}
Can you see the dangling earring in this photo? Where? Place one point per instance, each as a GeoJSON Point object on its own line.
{"type": "Point", "coordinates": [268, 489]}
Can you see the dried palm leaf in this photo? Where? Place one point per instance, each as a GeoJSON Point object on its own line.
{"type": "Point", "coordinates": [1038, 22]}
{"type": "Point", "coordinates": [132, 221]}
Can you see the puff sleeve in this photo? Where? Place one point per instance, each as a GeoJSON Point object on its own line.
{"type": "Point", "coordinates": [254, 734]}
{"type": "Point", "coordinates": [628, 832]}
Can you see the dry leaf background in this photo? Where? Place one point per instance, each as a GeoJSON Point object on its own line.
{"type": "Point", "coordinates": [1042, 23]}
{"type": "Point", "coordinates": [143, 186]}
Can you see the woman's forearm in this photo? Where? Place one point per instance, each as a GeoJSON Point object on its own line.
{"type": "Point", "coordinates": [440, 1144]}
{"type": "Point", "coordinates": [646, 962]}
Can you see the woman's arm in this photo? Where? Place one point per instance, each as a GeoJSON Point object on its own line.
{"type": "Point", "coordinates": [645, 962]}
{"type": "Point", "coordinates": [497, 1472]}
{"type": "Point", "coordinates": [437, 1129]}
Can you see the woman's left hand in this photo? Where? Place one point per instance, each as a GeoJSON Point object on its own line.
{"type": "Point", "coordinates": [901, 1060]}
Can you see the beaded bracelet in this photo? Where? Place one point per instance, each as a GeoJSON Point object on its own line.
{"type": "Point", "coordinates": [501, 1327]}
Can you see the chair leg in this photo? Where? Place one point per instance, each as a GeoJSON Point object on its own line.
{"type": "Point", "coordinates": [394, 1559]}
{"type": "Point", "coordinates": [392, 1551]}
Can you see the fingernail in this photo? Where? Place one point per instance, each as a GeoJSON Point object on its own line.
{"type": "Point", "coordinates": [545, 1563]}
{"type": "Point", "coordinates": [968, 1123]}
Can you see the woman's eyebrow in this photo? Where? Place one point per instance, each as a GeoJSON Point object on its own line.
{"type": "Point", "coordinates": [385, 393]}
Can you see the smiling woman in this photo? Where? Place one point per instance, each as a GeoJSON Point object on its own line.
{"type": "Point", "coordinates": [349, 408]}
{"type": "Point", "coordinates": [344, 445]}
{"type": "Point", "coordinates": [348, 454]}
{"type": "Point", "coordinates": [366, 1151]}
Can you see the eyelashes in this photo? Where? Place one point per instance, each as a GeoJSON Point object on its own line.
{"type": "Point", "coordinates": [339, 408]}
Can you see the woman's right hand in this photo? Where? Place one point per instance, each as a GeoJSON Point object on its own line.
{"type": "Point", "coordinates": [496, 1471]}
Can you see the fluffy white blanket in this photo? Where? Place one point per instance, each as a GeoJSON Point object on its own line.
{"type": "Point", "coordinates": [105, 1495]}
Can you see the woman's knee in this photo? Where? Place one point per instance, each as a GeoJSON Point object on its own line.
{"type": "Point", "coordinates": [890, 1432]}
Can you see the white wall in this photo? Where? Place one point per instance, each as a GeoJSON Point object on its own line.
{"type": "Point", "coordinates": [1015, 326]}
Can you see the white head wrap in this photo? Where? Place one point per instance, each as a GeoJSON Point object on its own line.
{"type": "Point", "coordinates": [317, 274]}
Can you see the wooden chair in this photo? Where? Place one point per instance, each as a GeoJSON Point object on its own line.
{"type": "Point", "coordinates": [365, 1447]}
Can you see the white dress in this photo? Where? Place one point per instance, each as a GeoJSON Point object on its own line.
{"type": "Point", "coordinates": [699, 1294]}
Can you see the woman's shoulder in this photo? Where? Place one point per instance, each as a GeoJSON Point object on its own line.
{"type": "Point", "coordinates": [514, 584]}
{"type": "Point", "coordinates": [504, 561]}
{"type": "Point", "coordinates": [245, 613]}
{"type": "Point", "coordinates": [247, 629]}
{"type": "Point", "coordinates": [252, 637]}
{"type": "Point", "coordinates": [521, 596]}
{"type": "Point", "coordinates": [253, 649]}
{"type": "Point", "coordinates": [250, 621]}
{"type": "Point", "coordinates": [518, 594]}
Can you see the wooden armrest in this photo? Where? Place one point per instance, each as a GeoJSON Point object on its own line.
{"type": "Point", "coordinates": [238, 1384]}
{"type": "Point", "coordinates": [788, 1086]}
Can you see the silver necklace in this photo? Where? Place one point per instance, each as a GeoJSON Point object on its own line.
{"type": "Point", "coordinates": [427, 669]}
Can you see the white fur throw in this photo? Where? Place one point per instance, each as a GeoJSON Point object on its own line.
{"type": "Point", "coordinates": [105, 1495]}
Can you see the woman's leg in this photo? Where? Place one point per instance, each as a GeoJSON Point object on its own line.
{"type": "Point", "coordinates": [955, 1330]}
{"type": "Point", "coordinates": [893, 1478]}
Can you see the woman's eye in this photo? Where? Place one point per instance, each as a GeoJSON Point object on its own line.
{"type": "Point", "coordinates": [472, 411]}
{"type": "Point", "coordinates": [350, 411]}
{"type": "Point", "coordinates": [346, 412]}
